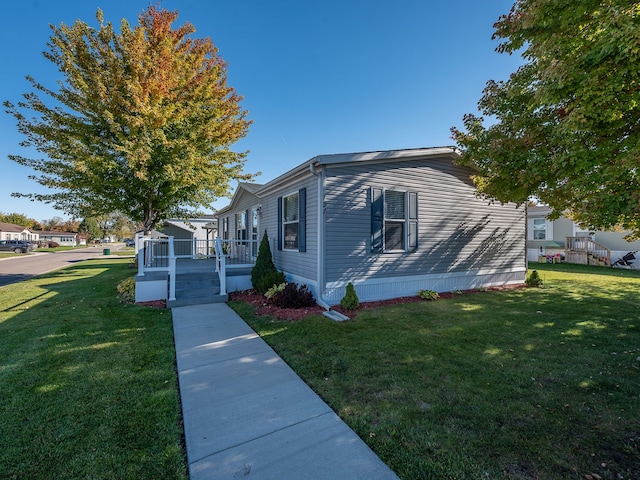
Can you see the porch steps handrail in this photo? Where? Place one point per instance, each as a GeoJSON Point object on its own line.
{"type": "Point", "coordinates": [172, 270]}
{"type": "Point", "coordinates": [594, 252]}
{"type": "Point", "coordinates": [221, 266]}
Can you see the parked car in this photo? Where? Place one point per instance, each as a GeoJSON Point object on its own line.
{"type": "Point", "coordinates": [129, 243]}
{"type": "Point", "coordinates": [18, 246]}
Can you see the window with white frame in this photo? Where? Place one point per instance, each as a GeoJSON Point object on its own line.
{"type": "Point", "coordinates": [290, 221]}
{"type": "Point", "coordinates": [394, 221]}
{"type": "Point", "coordinates": [254, 231]}
{"type": "Point", "coordinates": [241, 226]}
{"type": "Point", "coordinates": [225, 228]}
{"type": "Point", "coordinates": [539, 228]}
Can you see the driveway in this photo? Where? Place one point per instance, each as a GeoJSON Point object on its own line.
{"type": "Point", "coordinates": [22, 267]}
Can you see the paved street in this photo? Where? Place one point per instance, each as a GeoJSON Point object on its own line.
{"type": "Point", "coordinates": [22, 267]}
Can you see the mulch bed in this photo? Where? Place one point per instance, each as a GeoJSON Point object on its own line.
{"type": "Point", "coordinates": [293, 314]}
{"type": "Point", "coordinates": [154, 304]}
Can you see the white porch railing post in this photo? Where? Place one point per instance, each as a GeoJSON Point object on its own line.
{"type": "Point", "coordinates": [221, 266]}
{"type": "Point", "coordinates": [141, 245]}
{"type": "Point", "coordinates": [172, 270]}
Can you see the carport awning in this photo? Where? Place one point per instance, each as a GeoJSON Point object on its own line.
{"type": "Point", "coordinates": [554, 245]}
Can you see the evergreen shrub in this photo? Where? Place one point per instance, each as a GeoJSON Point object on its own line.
{"type": "Point", "coordinates": [533, 280]}
{"type": "Point", "coordinates": [350, 301]}
{"type": "Point", "coordinates": [264, 274]}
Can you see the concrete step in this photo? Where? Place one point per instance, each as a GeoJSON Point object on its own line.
{"type": "Point", "coordinates": [202, 291]}
{"type": "Point", "coordinates": [196, 283]}
{"type": "Point", "coordinates": [182, 302]}
{"type": "Point", "coordinates": [196, 288]}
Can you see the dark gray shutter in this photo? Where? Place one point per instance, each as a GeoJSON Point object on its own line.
{"type": "Point", "coordinates": [279, 223]}
{"type": "Point", "coordinates": [377, 220]}
{"type": "Point", "coordinates": [413, 221]}
{"type": "Point", "coordinates": [302, 220]}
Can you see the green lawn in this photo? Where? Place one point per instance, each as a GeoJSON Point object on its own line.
{"type": "Point", "coordinates": [521, 384]}
{"type": "Point", "coordinates": [62, 248]}
{"type": "Point", "coordinates": [88, 385]}
{"type": "Point", "coordinates": [11, 254]}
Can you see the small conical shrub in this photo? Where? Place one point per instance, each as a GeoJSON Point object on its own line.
{"type": "Point", "coordinates": [350, 301]}
{"type": "Point", "coordinates": [264, 274]}
{"type": "Point", "coordinates": [533, 280]}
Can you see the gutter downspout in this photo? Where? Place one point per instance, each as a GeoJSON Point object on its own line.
{"type": "Point", "coordinates": [321, 239]}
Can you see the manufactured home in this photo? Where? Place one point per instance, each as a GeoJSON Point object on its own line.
{"type": "Point", "coordinates": [390, 222]}
{"type": "Point", "coordinates": [564, 240]}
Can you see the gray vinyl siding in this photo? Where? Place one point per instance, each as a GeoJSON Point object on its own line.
{"type": "Point", "coordinates": [300, 264]}
{"type": "Point", "coordinates": [245, 202]}
{"type": "Point", "coordinates": [616, 241]}
{"type": "Point", "coordinates": [456, 230]}
{"type": "Point", "coordinates": [176, 232]}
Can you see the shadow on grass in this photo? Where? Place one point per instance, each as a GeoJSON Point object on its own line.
{"type": "Point", "coordinates": [521, 384]}
{"type": "Point", "coordinates": [88, 384]}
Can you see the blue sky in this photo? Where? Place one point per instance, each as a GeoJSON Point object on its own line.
{"type": "Point", "coordinates": [318, 77]}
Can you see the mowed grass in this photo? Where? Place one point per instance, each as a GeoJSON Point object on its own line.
{"type": "Point", "coordinates": [88, 387]}
{"type": "Point", "coordinates": [517, 384]}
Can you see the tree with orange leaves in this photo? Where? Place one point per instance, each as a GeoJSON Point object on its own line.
{"type": "Point", "coordinates": [141, 123]}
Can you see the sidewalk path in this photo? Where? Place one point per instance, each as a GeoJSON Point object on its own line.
{"type": "Point", "coordinates": [248, 415]}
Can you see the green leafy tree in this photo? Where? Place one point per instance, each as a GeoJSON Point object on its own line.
{"type": "Point", "coordinates": [142, 121]}
{"type": "Point", "coordinates": [90, 226]}
{"type": "Point", "coordinates": [20, 219]}
{"type": "Point", "coordinates": [567, 123]}
{"type": "Point", "coordinates": [123, 227]}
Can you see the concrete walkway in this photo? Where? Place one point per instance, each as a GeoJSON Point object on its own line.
{"type": "Point", "coordinates": [248, 415]}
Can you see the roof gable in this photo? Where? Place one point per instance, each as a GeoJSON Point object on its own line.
{"type": "Point", "coordinates": [243, 188]}
{"type": "Point", "coordinates": [10, 227]}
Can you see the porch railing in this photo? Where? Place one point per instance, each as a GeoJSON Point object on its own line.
{"type": "Point", "coordinates": [196, 248]}
{"type": "Point", "coordinates": [158, 255]}
{"type": "Point", "coordinates": [586, 251]}
{"type": "Point", "coordinates": [161, 254]}
{"type": "Point", "coordinates": [152, 254]}
{"type": "Point", "coordinates": [240, 252]}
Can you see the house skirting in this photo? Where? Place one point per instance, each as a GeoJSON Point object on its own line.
{"type": "Point", "coordinates": [369, 290]}
{"type": "Point", "coordinates": [152, 286]}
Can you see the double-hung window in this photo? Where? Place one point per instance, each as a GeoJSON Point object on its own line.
{"type": "Point", "coordinates": [292, 221]}
{"type": "Point", "coordinates": [539, 228]}
{"type": "Point", "coordinates": [241, 226]}
{"type": "Point", "coordinates": [394, 221]}
{"type": "Point", "coordinates": [225, 228]}
{"type": "Point", "coordinates": [254, 232]}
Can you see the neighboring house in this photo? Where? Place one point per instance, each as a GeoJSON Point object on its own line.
{"type": "Point", "coordinates": [64, 239]}
{"type": "Point", "coordinates": [9, 231]}
{"type": "Point", "coordinates": [391, 222]}
{"type": "Point", "coordinates": [201, 228]}
{"type": "Point", "coordinates": [564, 239]}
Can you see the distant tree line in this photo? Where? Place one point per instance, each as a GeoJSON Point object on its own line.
{"type": "Point", "coordinates": [94, 227]}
